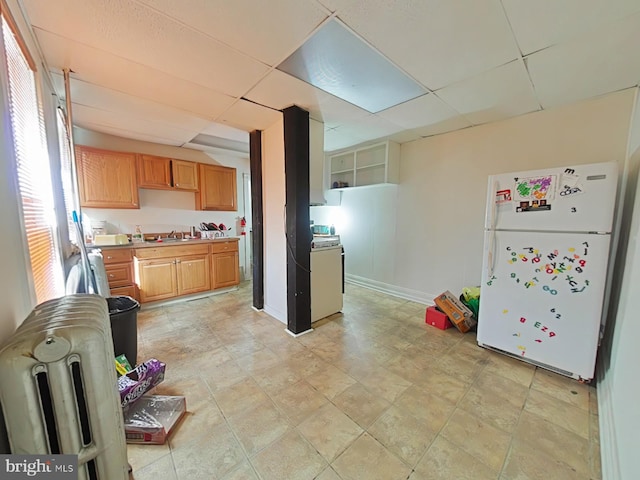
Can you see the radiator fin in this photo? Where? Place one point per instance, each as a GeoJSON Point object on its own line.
{"type": "Point", "coordinates": [81, 404]}
{"type": "Point", "coordinates": [47, 412]}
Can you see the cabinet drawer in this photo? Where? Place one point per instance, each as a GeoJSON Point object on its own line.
{"type": "Point", "coordinates": [223, 247]}
{"type": "Point", "coordinates": [117, 255]}
{"type": "Point", "coordinates": [129, 291]}
{"type": "Point", "coordinates": [172, 251]}
{"type": "Point", "coordinates": [119, 274]}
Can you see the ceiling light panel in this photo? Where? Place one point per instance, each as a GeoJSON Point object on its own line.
{"type": "Point", "coordinates": [340, 63]}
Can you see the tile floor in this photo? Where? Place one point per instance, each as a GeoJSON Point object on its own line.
{"type": "Point", "coordinates": [372, 393]}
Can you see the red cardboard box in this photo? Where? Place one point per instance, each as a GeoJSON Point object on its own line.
{"type": "Point", "coordinates": [438, 319]}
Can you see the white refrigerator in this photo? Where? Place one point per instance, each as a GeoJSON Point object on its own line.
{"type": "Point", "coordinates": [546, 250]}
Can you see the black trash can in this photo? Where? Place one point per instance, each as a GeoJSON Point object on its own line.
{"type": "Point", "coordinates": [123, 313]}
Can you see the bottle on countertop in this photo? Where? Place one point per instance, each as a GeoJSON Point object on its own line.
{"type": "Point", "coordinates": [137, 236]}
{"type": "Point", "coordinates": [332, 229]}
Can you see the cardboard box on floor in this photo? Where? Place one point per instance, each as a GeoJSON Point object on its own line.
{"type": "Point", "coordinates": [437, 319]}
{"type": "Point", "coordinates": [457, 311]}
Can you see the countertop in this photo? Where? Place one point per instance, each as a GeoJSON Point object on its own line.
{"type": "Point", "coordinates": [196, 241]}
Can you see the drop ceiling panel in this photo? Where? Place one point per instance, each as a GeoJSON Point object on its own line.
{"type": "Point", "coordinates": [422, 111]}
{"type": "Point", "coordinates": [122, 104]}
{"type": "Point", "coordinates": [448, 125]}
{"type": "Point", "coordinates": [124, 133]}
{"type": "Point", "coordinates": [368, 128]}
{"type": "Point", "coordinates": [249, 116]}
{"type": "Point", "coordinates": [133, 31]}
{"type": "Point", "coordinates": [500, 93]}
{"type": "Point", "coordinates": [336, 112]}
{"type": "Point", "coordinates": [279, 90]}
{"type": "Point", "coordinates": [335, 140]}
{"type": "Point", "coordinates": [542, 23]}
{"type": "Point", "coordinates": [102, 68]}
{"type": "Point", "coordinates": [254, 27]}
{"type": "Point", "coordinates": [142, 125]}
{"type": "Point", "coordinates": [225, 131]}
{"type": "Point", "coordinates": [437, 42]}
{"type": "Point", "coordinates": [594, 64]}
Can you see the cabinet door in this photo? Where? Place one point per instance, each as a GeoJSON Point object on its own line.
{"type": "Point", "coordinates": [217, 188]}
{"type": "Point", "coordinates": [185, 175]}
{"type": "Point", "coordinates": [193, 274]}
{"type": "Point", "coordinates": [106, 179]}
{"type": "Point", "coordinates": [226, 271]}
{"type": "Point", "coordinates": [157, 279]}
{"type": "Point", "coordinates": [154, 172]}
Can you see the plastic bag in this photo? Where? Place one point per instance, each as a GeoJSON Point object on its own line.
{"type": "Point", "coordinates": [471, 298]}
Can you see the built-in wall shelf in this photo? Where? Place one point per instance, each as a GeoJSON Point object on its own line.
{"type": "Point", "coordinates": [365, 166]}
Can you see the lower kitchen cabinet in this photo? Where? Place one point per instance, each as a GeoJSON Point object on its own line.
{"type": "Point", "coordinates": [225, 265]}
{"type": "Point", "coordinates": [167, 272]}
{"type": "Point", "coordinates": [156, 279]}
{"type": "Point", "coordinates": [193, 274]}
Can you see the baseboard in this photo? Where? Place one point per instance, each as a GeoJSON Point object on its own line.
{"type": "Point", "coordinates": [277, 314]}
{"type": "Point", "coordinates": [186, 298]}
{"type": "Point", "coordinates": [608, 444]}
{"type": "Point", "coordinates": [401, 292]}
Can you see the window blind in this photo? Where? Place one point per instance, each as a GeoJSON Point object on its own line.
{"type": "Point", "coordinates": [33, 173]}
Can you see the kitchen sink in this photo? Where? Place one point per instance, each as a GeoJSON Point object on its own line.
{"type": "Point", "coordinates": [168, 240]}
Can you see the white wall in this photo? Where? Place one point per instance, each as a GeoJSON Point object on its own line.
{"type": "Point", "coordinates": [432, 222]}
{"type": "Point", "coordinates": [618, 388]}
{"type": "Point", "coordinates": [274, 198]}
{"type": "Point", "coordinates": [163, 210]}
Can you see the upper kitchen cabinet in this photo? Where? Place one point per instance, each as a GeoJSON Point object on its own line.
{"type": "Point", "coordinates": [106, 179]}
{"type": "Point", "coordinates": [217, 188]}
{"type": "Point", "coordinates": [163, 173]}
{"type": "Point", "coordinates": [365, 166]}
{"type": "Point", "coordinates": [154, 172]}
{"type": "Point", "coordinates": [185, 175]}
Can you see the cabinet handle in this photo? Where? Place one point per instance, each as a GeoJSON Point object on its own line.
{"type": "Point", "coordinates": [109, 257]}
{"type": "Point", "coordinates": [177, 184]}
{"type": "Point", "coordinates": [111, 275]}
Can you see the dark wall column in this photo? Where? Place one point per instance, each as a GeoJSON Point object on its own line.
{"type": "Point", "coordinates": [298, 233]}
{"type": "Point", "coordinates": [257, 244]}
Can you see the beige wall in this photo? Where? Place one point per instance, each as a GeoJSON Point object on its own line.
{"type": "Point", "coordinates": [273, 197]}
{"type": "Point", "coordinates": [435, 230]}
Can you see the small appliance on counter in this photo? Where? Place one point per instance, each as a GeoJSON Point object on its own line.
{"type": "Point", "coordinates": [110, 239]}
{"type": "Point", "coordinates": [323, 229]}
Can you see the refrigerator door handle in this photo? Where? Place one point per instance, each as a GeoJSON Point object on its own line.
{"type": "Point", "coordinates": [490, 254]}
{"type": "Point", "coordinates": [492, 199]}
{"type": "Point", "coordinates": [492, 226]}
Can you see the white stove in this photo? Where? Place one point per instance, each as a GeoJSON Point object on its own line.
{"type": "Point", "coordinates": [325, 241]}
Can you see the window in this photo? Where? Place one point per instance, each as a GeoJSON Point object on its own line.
{"type": "Point", "coordinates": [32, 164]}
{"type": "Point", "coordinates": [66, 167]}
